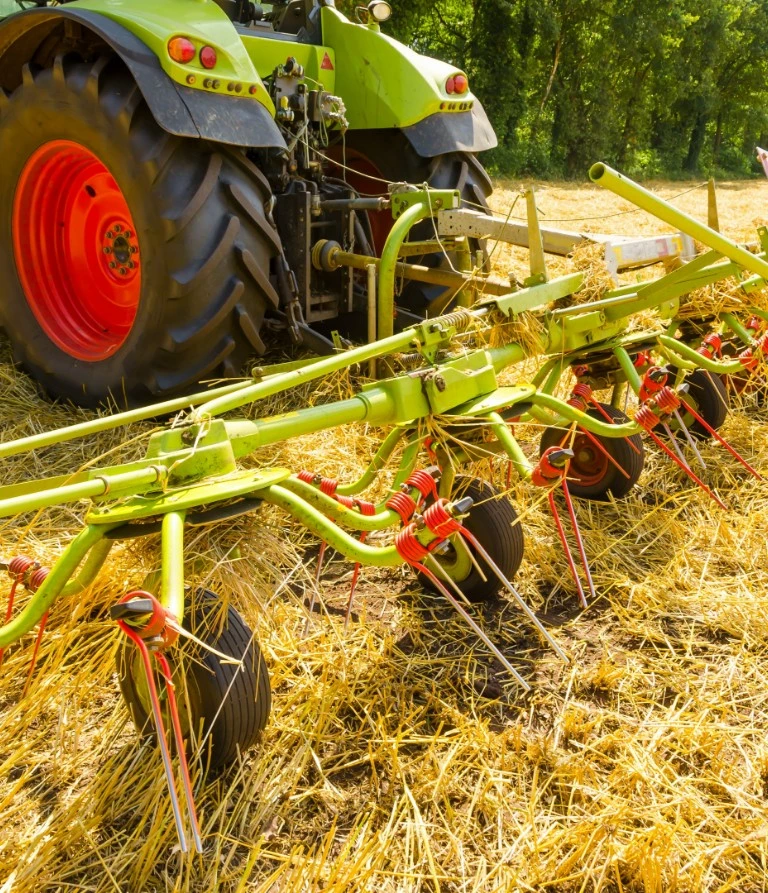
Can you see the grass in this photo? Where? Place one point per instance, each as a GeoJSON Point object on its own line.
{"type": "Point", "coordinates": [399, 757]}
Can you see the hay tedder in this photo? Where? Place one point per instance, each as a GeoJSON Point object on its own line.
{"type": "Point", "coordinates": [448, 391]}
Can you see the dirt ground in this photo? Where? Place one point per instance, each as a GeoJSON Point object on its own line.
{"type": "Point", "coordinates": [399, 756]}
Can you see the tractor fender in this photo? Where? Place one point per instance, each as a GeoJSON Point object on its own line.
{"type": "Point", "coordinates": [179, 110]}
{"type": "Point", "coordinates": [443, 132]}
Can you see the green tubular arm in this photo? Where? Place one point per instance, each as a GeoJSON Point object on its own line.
{"type": "Point", "coordinates": [131, 481]}
{"type": "Point", "coordinates": [340, 513]}
{"type": "Point", "coordinates": [737, 328]}
{"type": "Point", "coordinates": [311, 372]}
{"type": "Point", "coordinates": [680, 350]}
{"type": "Point", "coordinates": [385, 314]}
{"type": "Point", "coordinates": [172, 568]}
{"type": "Point", "coordinates": [510, 445]}
{"type": "Point", "coordinates": [569, 414]}
{"type": "Point", "coordinates": [326, 530]}
{"type": "Point", "coordinates": [53, 585]}
{"type": "Point", "coordinates": [109, 422]}
{"type": "Point", "coordinates": [605, 176]}
{"type": "Point", "coordinates": [91, 566]}
{"type": "Point", "coordinates": [377, 464]}
{"type": "Point", "coordinates": [628, 368]}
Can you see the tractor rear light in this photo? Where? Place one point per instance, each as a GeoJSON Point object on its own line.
{"type": "Point", "coordinates": [460, 84]}
{"type": "Point", "coordinates": [208, 57]}
{"type": "Point", "coordinates": [450, 85]}
{"type": "Point", "coordinates": [181, 49]}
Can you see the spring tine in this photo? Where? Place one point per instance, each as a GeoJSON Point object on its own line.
{"type": "Point", "coordinates": [165, 669]}
{"type": "Point", "coordinates": [689, 437]}
{"type": "Point", "coordinates": [579, 541]}
{"type": "Point", "coordinates": [612, 421]}
{"type": "Point", "coordinates": [720, 439]}
{"type": "Point", "coordinates": [9, 611]}
{"type": "Point", "coordinates": [318, 571]}
{"type": "Point", "coordinates": [660, 443]}
{"type": "Point", "coordinates": [33, 661]}
{"type": "Point", "coordinates": [159, 726]}
{"type": "Point", "coordinates": [567, 549]}
{"type": "Point", "coordinates": [598, 443]}
{"type": "Point", "coordinates": [477, 629]}
{"type": "Point", "coordinates": [683, 462]}
{"type": "Point", "coordinates": [519, 600]}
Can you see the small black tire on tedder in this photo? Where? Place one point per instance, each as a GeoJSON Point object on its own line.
{"type": "Point", "coordinates": [708, 396]}
{"type": "Point", "coordinates": [596, 472]}
{"type": "Point", "coordinates": [222, 707]}
{"type": "Point", "coordinates": [493, 521]}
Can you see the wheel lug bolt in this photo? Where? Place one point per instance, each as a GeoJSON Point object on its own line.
{"type": "Point", "coordinates": [128, 234]}
{"type": "Point", "coordinates": [118, 228]}
{"type": "Point", "coordinates": [112, 265]}
{"type": "Point", "coordinates": [123, 271]}
{"type": "Point", "coordinates": [110, 234]}
{"type": "Point", "coordinates": [131, 264]}
{"type": "Point", "coordinates": [134, 249]}
{"type": "Point", "coordinates": [107, 249]}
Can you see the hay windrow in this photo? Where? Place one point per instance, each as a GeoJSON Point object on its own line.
{"type": "Point", "coordinates": [399, 758]}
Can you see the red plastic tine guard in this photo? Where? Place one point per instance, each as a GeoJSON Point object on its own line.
{"type": "Point", "coordinates": [146, 605]}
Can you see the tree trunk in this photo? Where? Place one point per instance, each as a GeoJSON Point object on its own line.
{"type": "Point", "coordinates": [696, 144]}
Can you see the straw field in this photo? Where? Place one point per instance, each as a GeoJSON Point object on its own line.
{"type": "Point", "coordinates": [399, 756]}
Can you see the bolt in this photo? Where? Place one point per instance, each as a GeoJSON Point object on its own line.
{"type": "Point", "coordinates": [118, 228]}
{"type": "Point", "coordinates": [440, 383]}
{"type": "Point", "coordinates": [112, 265]}
{"type": "Point", "coordinates": [128, 234]}
{"type": "Point", "coordinates": [107, 249]}
{"type": "Point", "coordinates": [134, 249]}
{"type": "Point", "coordinates": [123, 271]}
{"type": "Point", "coordinates": [131, 264]}
{"type": "Point", "coordinates": [110, 234]}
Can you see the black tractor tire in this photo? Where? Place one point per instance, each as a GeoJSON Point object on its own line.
{"type": "Point", "coordinates": [591, 475]}
{"type": "Point", "coordinates": [708, 395]}
{"type": "Point", "coordinates": [389, 156]}
{"type": "Point", "coordinates": [222, 708]}
{"type": "Point", "coordinates": [493, 521]}
{"type": "Point", "coordinates": [202, 214]}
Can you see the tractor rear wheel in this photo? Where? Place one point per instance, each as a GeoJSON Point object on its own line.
{"type": "Point", "coordinates": [381, 157]}
{"type": "Point", "coordinates": [222, 707]}
{"type": "Point", "coordinates": [140, 261]}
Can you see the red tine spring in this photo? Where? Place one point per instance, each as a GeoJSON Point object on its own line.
{"type": "Point", "coordinates": [423, 482]}
{"type": "Point", "coordinates": [402, 503]}
{"type": "Point", "coordinates": [667, 400]}
{"type": "Point", "coordinates": [711, 346]}
{"type": "Point", "coordinates": [328, 486]}
{"type": "Point", "coordinates": [307, 476]}
{"type": "Point", "coordinates": [440, 521]}
{"type": "Point", "coordinates": [581, 395]}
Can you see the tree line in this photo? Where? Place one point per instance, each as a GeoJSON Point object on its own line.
{"type": "Point", "coordinates": [673, 88]}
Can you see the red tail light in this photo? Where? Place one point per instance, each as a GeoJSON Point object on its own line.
{"type": "Point", "coordinates": [208, 57]}
{"type": "Point", "coordinates": [460, 84]}
{"type": "Point", "coordinates": [450, 85]}
{"type": "Point", "coordinates": [181, 49]}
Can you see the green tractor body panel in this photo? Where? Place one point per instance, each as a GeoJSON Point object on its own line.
{"type": "Point", "coordinates": [266, 54]}
{"type": "Point", "coordinates": [205, 24]}
{"type": "Point", "coordinates": [385, 84]}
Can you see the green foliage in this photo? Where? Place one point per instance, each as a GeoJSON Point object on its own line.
{"type": "Point", "coordinates": [674, 88]}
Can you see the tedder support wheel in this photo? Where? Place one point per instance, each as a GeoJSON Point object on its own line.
{"type": "Point", "coordinates": [708, 395]}
{"type": "Point", "coordinates": [222, 708]}
{"type": "Point", "coordinates": [493, 521]}
{"type": "Point", "coordinates": [591, 474]}
{"type": "Point", "coordinates": [384, 156]}
{"type": "Point", "coordinates": [140, 261]}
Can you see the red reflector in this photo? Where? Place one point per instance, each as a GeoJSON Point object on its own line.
{"type": "Point", "coordinates": [208, 57]}
{"type": "Point", "coordinates": [326, 64]}
{"type": "Point", "coordinates": [460, 83]}
{"type": "Point", "coordinates": [181, 49]}
{"type": "Point", "coordinates": [450, 86]}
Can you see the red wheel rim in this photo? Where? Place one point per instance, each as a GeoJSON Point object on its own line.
{"type": "Point", "coordinates": [76, 250]}
{"type": "Point", "coordinates": [589, 465]}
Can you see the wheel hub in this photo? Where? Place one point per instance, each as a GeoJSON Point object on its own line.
{"type": "Point", "coordinates": [76, 250]}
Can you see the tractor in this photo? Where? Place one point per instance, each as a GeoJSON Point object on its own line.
{"type": "Point", "coordinates": [168, 167]}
